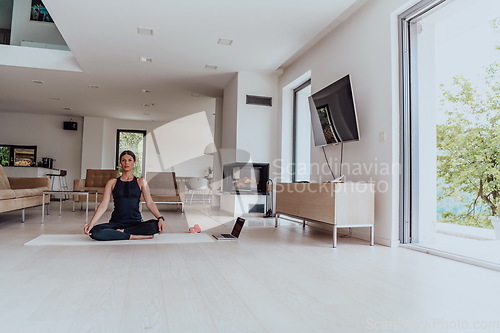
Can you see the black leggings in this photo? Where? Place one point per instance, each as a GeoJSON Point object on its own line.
{"type": "Point", "coordinates": [108, 232]}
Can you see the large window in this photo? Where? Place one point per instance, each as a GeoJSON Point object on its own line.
{"type": "Point", "coordinates": [450, 148]}
{"type": "Point", "coordinates": [131, 140]}
{"type": "Point", "coordinates": [301, 133]}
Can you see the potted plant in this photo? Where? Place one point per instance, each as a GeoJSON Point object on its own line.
{"type": "Point", "coordinates": [495, 220]}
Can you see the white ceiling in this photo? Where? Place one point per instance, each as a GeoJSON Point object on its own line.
{"type": "Point", "coordinates": [267, 34]}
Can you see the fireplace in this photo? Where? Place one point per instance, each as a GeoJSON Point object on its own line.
{"type": "Point", "coordinates": [245, 178]}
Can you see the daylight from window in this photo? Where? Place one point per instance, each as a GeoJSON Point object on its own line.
{"type": "Point", "coordinates": [467, 50]}
{"type": "Point", "coordinates": [134, 141]}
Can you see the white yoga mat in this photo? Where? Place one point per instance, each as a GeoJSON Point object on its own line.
{"type": "Point", "coordinates": [168, 238]}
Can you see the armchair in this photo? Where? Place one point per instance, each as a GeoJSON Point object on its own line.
{"type": "Point", "coordinates": [95, 179]}
{"type": "Point", "coordinates": [164, 189]}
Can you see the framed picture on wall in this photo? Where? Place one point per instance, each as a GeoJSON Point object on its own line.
{"type": "Point", "coordinates": [39, 12]}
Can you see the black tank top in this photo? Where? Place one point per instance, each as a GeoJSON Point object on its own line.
{"type": "Point", "coordinates": [126, 196]}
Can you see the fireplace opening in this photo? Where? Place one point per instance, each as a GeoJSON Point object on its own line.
{"type": "Point", "coordinates": [245, 178]}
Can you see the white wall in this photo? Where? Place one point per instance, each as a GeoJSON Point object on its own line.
{"type": "Point", "coordinates": [46, 132]}
{"type": "Point", "coordinates": [92, 139]}
{"type": "Point", "coordinates": [177, 145]}
{"type": "Point", "coordinates": [361, 46]}
{"type": "Point", "coordinates": [217, 177]}
{"type": "Point", "coordinates": [229, 115]}
{"type": "Point", "coordinates": [249, 131]}
{"type": "Point", "coordinates": [256, 124]}
{"type": "Point", "coordinates": [6, 13]}
{"type": "Point", "coordinates": [24, 29]}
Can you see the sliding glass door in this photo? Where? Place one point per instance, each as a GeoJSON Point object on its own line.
{"type": "Point", "coordinates": [449, 122]}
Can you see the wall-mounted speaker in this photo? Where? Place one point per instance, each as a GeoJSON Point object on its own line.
{"type": "Point", "coordinates": [70, 125]}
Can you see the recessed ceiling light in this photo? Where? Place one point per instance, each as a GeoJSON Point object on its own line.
{"type": "Point", "coordinates": [93, 86]}
{"type": "Point", "coordinates": [145, 31]}
{"type": "Point", "coordinates": [226, 42]}
{"type": "Point", "coordinates": [56, 98]}
{"type": "Point", "coordinates": [146, 91]}
{"type": "Point", "coordinates": [213, 67]}
{"type": "Point", "coordinates": [146, 114]}
{"type": "Point", "coordinates": [67, 109]}
{"type": "Point", "coordinates": [38, 81]}
{"type": "Point", "coordinates": [148, 104]}
{"type": "Point", "coordinates": [145, 59]}
{"type": "Point", "coordinates": [195, 95]}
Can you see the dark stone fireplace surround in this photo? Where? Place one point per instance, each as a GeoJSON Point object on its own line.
{"type": "Point", "coordinates": [245, 178]}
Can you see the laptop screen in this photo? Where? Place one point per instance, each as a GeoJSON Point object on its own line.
{"type": "Point", "coordinates": [237, 227]}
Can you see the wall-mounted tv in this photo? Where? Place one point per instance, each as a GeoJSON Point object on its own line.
{"type": "Point", "coordinates": [333, 114]}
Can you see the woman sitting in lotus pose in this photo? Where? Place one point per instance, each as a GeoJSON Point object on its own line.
{"type": "Point", "coordinates": [126, 220]}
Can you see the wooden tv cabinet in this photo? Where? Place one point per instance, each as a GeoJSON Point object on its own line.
{"type": "Point", "coordinates": [343, 205]}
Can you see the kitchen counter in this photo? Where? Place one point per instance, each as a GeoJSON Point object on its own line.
{"type": "Point", "coordinates": [21, 171]}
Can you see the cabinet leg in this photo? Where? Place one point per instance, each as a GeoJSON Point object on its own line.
{"type": "Point", "coordinates": [334, 236]}
{"type": "Point", "coordinates": [372, 235]}
{"type": "Point", "coordinates": [276, 220]}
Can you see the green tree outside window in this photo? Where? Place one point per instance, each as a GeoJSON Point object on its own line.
{"type": "Point", "coordinates": [132, 140]}
{"type": "Point", "coordinates": [469, 150]}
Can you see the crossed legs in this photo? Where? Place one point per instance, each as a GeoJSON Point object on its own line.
{"type": "Point", "coordinates": [123, 231]}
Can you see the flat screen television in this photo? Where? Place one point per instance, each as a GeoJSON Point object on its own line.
{"type": "Point", "coordinates": [333, 114]}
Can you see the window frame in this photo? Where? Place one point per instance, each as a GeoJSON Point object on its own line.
{"type": "Point", "coordinates": [408, 78]}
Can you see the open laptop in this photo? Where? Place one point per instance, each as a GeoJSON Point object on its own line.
{"type": "Point", "coordinates": [235, 233]}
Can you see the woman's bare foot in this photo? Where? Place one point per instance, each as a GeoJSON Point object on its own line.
{"type": "Point", "coordinates": [121, 230]}
{"type": "Point", "coordinates": [135, 237]}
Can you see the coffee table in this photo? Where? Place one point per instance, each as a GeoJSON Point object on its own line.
{"type": "Point", "coordinates": [68, 192]}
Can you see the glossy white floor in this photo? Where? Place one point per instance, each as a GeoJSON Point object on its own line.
{"type": "Point", "coordinates": [270, 280]}
{"type": "Point", "coordinates": [486, 252]}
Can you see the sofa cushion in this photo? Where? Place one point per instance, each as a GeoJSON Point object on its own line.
{"type": "Point", "coordinates": [4, 181]}
{"type": "Point", "coordinates": [7, 194]}
{"type": "Point", "coordinates": [99, 177]}
{"type": "Point", "coordinates": [17, 183]}
{"type": "Point", "coordinates": [38, 190]}
{"type": "Point", "coordinates": [23, 193]}
{"type": "Point", "coordinates": [93, 189]}
{"type": "Point", "coordinates": [161, 191]}
{"type": "Point", "coordinates": [165, 198]}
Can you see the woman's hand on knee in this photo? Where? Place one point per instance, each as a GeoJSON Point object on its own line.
{"type": "Point", "coordinates": [161, 226]}
{"type": "Point", "coordinates": [87, 229]}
